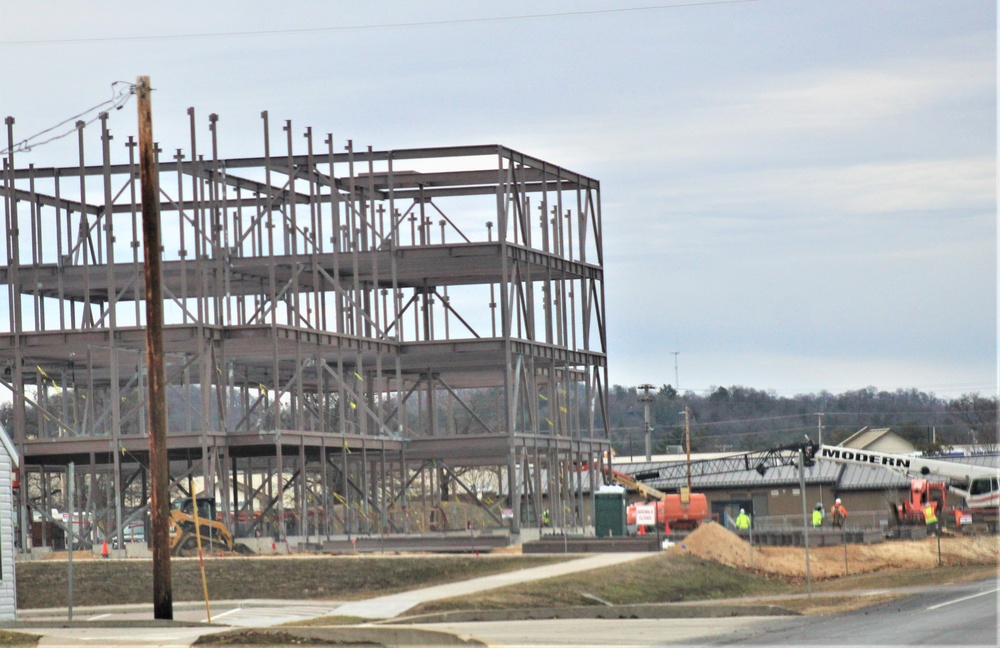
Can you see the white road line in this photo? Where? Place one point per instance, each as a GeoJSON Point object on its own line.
{"type": "Point", "coordinates": [99, 616]}
{"type": "Point", "coordinates": [964, 598]}
{"type": "Point", "coordinates": [219, 616]}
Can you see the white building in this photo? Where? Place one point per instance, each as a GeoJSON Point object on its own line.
{"type": "Point", "coordinates": [9, 461]}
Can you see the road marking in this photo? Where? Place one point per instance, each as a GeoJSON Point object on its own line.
{"type": "Point", "coordinates": [964, 598]}
{"type": "Point", "coordinates": [219, 616]}
{"type": "Point", "coordinates": [99, 616]}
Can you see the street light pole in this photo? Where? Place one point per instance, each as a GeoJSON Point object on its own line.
{"type": "Point", "coordinates": [687, 441]}
{"type": "Point", "coordinates": [805, 518]}
{"type": "Point", "coordinates": [646, 398]}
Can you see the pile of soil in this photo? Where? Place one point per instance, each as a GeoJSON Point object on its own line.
{"type": "Point", "coordinates": [715, 542]}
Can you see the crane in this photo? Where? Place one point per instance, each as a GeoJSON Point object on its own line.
{"type": "Point", "coordinates": [979, 486]}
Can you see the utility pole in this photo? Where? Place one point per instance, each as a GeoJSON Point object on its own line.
{"type": "Point", "coordinates": [646, 398]}
{"type": "Point", "coordinates": [805, 518]}
{"type": "Point", "coordinates": [677, 380]}
{"type": "Point", "coordinates": [71, 509]}
{"type": "Point", "coordinates": [820, 415]}
{"type": "Point", "coordinates": [687, 441]}
{"type": "Point", "coordinates": [159, 505]}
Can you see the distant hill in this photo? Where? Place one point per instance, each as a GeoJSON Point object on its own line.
{"type": "Point", "coordinates": [740, 418]}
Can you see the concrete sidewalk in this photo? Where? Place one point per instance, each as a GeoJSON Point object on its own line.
{"type": "Point", "coordinates": [388, 607]}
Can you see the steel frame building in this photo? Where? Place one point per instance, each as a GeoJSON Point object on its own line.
{"type": "Point", "coordinates": [352, 334]}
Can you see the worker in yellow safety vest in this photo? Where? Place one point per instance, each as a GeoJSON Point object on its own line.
{"type": "Point", "coordinates": [818, 515]}
{"type": "Point", "coordinates": [743, 521]}
{"type": "Point", "coordinates": [930, 518]}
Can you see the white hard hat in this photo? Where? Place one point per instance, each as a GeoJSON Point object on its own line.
{"type": "Point", "coordinates": [837, 501]}
{"type": "Point", "coordinates": [742, 511]}
{"type": "Point", "coordinates": [819, 505]}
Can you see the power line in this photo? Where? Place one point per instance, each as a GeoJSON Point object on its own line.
{"type": "Point", "coordinates": [400, 25]}
{"type": "Point", "coordinates": [118, 100]}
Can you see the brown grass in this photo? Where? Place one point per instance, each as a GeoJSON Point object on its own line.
{"type": "Point", "coordinates": [714, 564]}
{"type": "Point", "coordinates": [43, 584]}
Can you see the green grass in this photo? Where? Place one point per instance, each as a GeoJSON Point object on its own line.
{"type": "Point", "coordinates": [108, 582]}
{"type": "Point", "coordinates": [264, 637]}
{"type": "Point", "coordinates": [669, 578]}
{"type": "Point", "coordinates": [662, 578]}
{"type": "Point", "coordinates": [332, 620]}
{"type": "Point", "coordinates": [9, 638]}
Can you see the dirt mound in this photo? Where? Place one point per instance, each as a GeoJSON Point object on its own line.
{"type": "Point", "coordinates": [714, 542]}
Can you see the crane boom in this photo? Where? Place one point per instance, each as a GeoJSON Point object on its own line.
{"type": "Point", "coordinates": [977, 484]}
{"type": "Point", "coordinates": [630, 482]}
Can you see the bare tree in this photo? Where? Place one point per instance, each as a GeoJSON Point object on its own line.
{"type": "Point", "coordinates": [980, 415]}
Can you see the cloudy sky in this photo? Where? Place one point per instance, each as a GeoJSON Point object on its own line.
{"type": "Point", "coordinates": [797, 194]}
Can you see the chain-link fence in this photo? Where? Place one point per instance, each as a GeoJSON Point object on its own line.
{"type": "Point", "coordinates": [856, 520]}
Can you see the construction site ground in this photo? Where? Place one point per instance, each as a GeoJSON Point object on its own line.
{"type": "Point", "coordinates": [712, 564]}
{"type": "Point", "coordinates": [714, 542]}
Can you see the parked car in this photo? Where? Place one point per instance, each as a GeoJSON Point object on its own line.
{"type": "Point", "coordinates": [133, 533]}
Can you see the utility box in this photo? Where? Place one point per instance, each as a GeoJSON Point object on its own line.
{"type": "Point", "coordinates": [609, 511]}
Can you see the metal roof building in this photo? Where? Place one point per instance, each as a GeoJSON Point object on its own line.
{"type": "Point", "coordinates": [728, 472]}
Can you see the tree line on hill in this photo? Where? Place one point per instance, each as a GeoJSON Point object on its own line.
{"type": "Point", "coordinates": [737, 418]}
{"type": "Point", "coordinates": [722, 419]}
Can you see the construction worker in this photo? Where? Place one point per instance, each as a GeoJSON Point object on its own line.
{"type": "Point", "coordinates": [546, 520]}
{"type": "Point", "coordinates": [930, 519]}
{"type": "Point", "coordinates": [743, 521]}
{"type": "Point", "coordinates": [818, 515]}
{"type": "Point", "coordinates": [838, 513]}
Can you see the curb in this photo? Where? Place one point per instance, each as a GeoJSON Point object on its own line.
{"type": "Point", "coordinates": [643, 611]}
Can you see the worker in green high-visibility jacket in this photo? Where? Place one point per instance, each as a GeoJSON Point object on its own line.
{"type": "Point", "coordinates": [930, 518]}
{"type": "Point", "coordinates": [743, 521]}
{"type": "Point", "coordinates": [818, 515]}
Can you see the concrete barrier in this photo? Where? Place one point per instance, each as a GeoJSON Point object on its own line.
{"type": "Point", "coordinates": [557, 544]}
{"type": "Point", "coordinates": [445, 543]}
{"type": "Point", "coordinates": [137, 550]}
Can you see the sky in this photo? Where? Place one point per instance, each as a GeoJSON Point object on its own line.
{"type": "Point", "coordinates": [797, 195]}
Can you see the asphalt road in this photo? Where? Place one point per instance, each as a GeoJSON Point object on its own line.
{"type": "Point", "coordinates": [953, 615]}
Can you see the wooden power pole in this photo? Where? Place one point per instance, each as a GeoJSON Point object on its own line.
{"type": "Point", "coordinates": [159, 466]}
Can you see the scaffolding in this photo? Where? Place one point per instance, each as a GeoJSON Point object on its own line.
{"type": "Point", "coordinates": [352, 337]}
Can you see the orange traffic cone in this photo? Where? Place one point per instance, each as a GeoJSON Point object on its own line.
{"type": "Point", "coordinates": [104, 549]}
{"type": "Point", "coordinates": [274, 546]}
